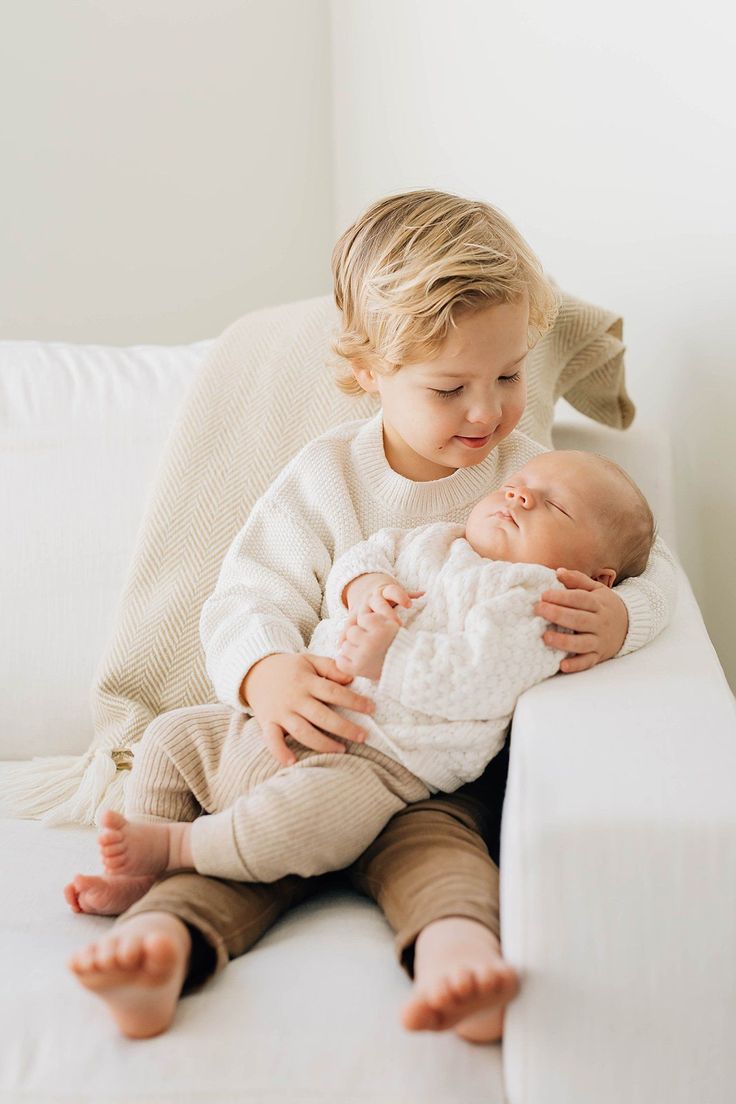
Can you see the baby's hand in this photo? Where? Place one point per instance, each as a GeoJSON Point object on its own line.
{"type": "Point", "coordinates": [365, 640]}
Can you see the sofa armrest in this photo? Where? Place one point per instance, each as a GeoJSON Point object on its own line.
{"type": "Point", "coordinates": [618, 888]}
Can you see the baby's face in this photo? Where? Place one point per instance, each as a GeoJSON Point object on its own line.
{"type": "Point", "coordinates": [550, 512]}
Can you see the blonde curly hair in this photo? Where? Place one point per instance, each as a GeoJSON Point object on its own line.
{"type": "Point", "coordinates": [411, 263]}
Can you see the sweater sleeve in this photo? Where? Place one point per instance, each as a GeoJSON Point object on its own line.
{"type": "Point", "coordinates": [650, 598]}
{"type": "Point", "coordinates": [476, 674]}
{"type": "Point", "coordinates": [267, 598]}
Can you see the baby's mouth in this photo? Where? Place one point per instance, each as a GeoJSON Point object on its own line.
{"type": "Point", "coordinates": [506, 514]}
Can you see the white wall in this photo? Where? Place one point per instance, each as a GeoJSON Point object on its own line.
{"type": "Point", "coordinates": [165, 165]}
{"type": "Point", "coordinates": [608, 136]}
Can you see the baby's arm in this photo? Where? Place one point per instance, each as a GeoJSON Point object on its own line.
{"type": "Point", "coordinates": [351, 581]}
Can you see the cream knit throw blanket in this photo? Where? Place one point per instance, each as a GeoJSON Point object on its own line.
{"type": "Point", "coordinates": [264, 391]}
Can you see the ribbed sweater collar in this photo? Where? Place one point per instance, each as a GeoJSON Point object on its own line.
{"type": "Point", "coordinates": [435, 496]}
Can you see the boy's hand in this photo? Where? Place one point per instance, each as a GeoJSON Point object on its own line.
{"type": "Point", "coordinates": [598, 616]}
{"type": "Point", "coordinates": [365, 641]}
{"type": "Point", "coordinates": [293, 694]}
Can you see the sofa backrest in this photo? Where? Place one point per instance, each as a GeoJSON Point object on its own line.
{"type": "Point", "coordinates": [82, 428]}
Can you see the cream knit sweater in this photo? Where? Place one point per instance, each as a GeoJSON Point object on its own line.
{"type": "Point", "coordinates": [465, 652]}
{"type": "Point", "coordinates": [337, 491]}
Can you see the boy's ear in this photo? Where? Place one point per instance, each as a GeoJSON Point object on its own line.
{"type": "Point", "coordinates": [366, 377]}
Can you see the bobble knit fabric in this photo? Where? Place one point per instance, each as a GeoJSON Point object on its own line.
{"type": "Point", "coordinates": [466, 650]}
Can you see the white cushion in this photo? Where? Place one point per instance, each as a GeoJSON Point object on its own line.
{"type": "Point", "coordinates": [82, 428]}
{"type": "Point", "coordinates": [310, 1014]}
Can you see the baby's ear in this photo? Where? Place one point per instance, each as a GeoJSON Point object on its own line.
{"type": "Point", "coordinates": [607, 577]}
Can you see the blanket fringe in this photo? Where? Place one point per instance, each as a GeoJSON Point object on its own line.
{"type": "Point", "coordinates": [65, 789]}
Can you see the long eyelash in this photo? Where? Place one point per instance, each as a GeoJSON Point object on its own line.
{"type": "Point", "coordinates": [449, 394]}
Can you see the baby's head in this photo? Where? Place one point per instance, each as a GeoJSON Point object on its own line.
{"type": "Point", "coordinates": [567, 509]}
{"type": "Point", "coordinates": [440, 299]}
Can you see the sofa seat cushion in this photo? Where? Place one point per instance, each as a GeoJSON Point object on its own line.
{"type": "Point", "coordinates": [310, 1014]}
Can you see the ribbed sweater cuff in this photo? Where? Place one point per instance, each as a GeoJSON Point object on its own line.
{"type": "Point", "coordinates": [641, 627]}
{"type": "Point", "coordinates": [230, 670]}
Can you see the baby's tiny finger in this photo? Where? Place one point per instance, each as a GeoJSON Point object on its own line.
{"type": "Point", "coordinates": [397, 595]}
{"type": "Point", "coordinates": [379, 604]}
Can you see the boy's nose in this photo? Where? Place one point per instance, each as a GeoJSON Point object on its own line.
{"type": "Point", "coordinates": [522, 495]}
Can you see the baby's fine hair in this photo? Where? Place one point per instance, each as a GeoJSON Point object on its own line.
{"type": "Point", "coordinates": [410, 263]}
{"type": "Point", "coordinates": [630, 524]}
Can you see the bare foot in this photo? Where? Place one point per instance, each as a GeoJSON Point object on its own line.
{"type": "Point", "coordinates": [128, 848]}
{"type": "Point", "coordinates": [460, 981]}
{"type": "Point", "coordinates": [108, 895]}
{"type": "Point", "coordinates": [138, 971]}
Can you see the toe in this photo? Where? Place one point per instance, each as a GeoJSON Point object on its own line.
{"type": "Point", "coordinates": [130, 951]}
{"type": "Point", "coordinates": [111, 819]}
{"type": "Point", "coordinates": [70, 894]}
{"type": "Point", "coordinates": [83, 962]}
{"type": "Point", "coordinates": [160, 954]}
{"type": "Point", "coordinates": [112, 850]}
{"type": "Point", "coordinates": [440, 994]}
{"type": "Point", "coordinates": [463, 984]}
{"type": "Point", "coordinates": [115, 865]}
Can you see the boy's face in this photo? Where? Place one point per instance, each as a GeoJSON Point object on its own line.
{"type": "Point", "coordinates": [475, 388]}
{"type": "Point", "coordinates": [551, 512]}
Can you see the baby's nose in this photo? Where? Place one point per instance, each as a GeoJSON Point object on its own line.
{"type": "Point", "coordinates": [521, 494]}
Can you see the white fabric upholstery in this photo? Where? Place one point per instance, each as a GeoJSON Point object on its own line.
{"type": "Point", "coordinates": [619, 839]}
{"type": "Point", "coordinates": [310, 1015]}
{"type": "Point", "coordinates": [618, 894]}
{"type": "Point", "coordinates": [81, 431]}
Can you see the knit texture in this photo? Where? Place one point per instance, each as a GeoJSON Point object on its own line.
{"type": "Point", "coordinates": [262, 394]}
{"type": "Point", "coordinates": [465, 652]}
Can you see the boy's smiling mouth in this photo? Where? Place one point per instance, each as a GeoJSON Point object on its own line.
{"type": "Point", "coordinates": [474, 442]}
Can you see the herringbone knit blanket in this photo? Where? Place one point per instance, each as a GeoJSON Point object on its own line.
{"type": "Point", "coordinates": [265, 391]}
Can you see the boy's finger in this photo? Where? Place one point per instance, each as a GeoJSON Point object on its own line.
{"type": "Point", "coordinates": [577, 599]}
{"type": "Point", "coordinates": [573, 578]}
{"type": "Point", "coordinates": [577, 643]}
{"type": "Point", "coordinates": [327, 668]}
{"type": "Point", "coordinates": [578, 663]}
{"type": "Point", "coordinates": [273, 738]}
{"type": "Point", "coordinates": [579, 620]}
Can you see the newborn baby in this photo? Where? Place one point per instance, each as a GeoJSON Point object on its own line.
{"type": "Point", "coordinates": [441, 632]}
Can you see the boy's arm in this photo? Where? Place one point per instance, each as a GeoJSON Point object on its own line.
{"type": "Point", "coordinates": [267, 598]}
{"type": "Point", "coordinates": [476, 674]}
{"type": "Point", "coordinates": [650, 598]}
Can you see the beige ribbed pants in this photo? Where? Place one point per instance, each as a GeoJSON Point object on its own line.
{"type": "Point", "coordinates": [265, 821]}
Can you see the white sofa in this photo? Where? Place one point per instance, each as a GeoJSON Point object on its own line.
{"type": "Point", "coordinates": [618, 848]}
